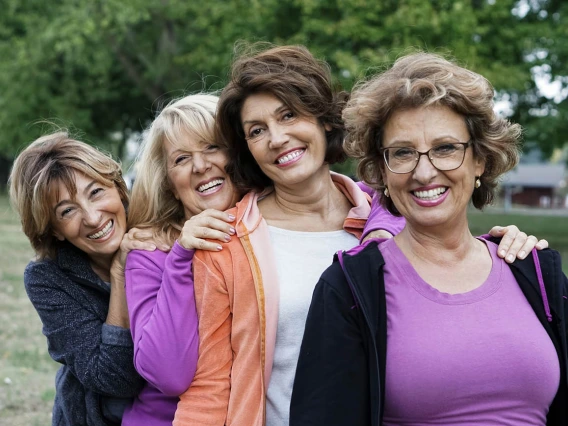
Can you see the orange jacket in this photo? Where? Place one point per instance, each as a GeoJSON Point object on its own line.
{"type": "Point", "coordinates": [236, 292]}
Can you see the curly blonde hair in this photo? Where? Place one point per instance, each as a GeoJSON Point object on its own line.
{"type": "Point", "coordinates": [36, 174]}
{"type": "Point", "coordinates": [420, 80]}
{"type": "Point", "coordinates": [153, 204]}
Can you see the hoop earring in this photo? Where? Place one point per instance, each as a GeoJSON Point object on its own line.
{"type": "Point", "coordinates": [386, 192]}
{"type": "Point", "coordinates": [477, 183]}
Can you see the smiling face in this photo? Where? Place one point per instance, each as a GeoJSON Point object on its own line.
{"type": "Point", "coordinates": [196, 171]}
{"type": "Point", "coordinates": [93, 219]}
{"type": "Point", "coordinates": [427, 197]}
{"type": "Point", "coordinates": [289, 149]}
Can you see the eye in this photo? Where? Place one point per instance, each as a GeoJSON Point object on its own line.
{"type": "Point", "coordinates": [181, 159]}
{"type": "Point", "coordinates": [288, 115]}
{"type": "Point", "coordinates": [65, 211]}
{"type": "Point", "coordinates": [255, 132]}
{"type": "Point", "coordinates": [402, 153]}
{"type": "Point", "coordinates": [445, 149]}
{"type": "Point", "coordinates": [96, 191]}
{"type": "Point", "coordinates": [212, 148]}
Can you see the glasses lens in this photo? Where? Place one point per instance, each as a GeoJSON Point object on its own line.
{"type": "Point", "coordinates": [447, 156]}
{"type": "Point", "coordinates": [400, 160]}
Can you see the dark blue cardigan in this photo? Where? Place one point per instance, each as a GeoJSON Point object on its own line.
{"type": "Point", "coordinates": [97, 378]}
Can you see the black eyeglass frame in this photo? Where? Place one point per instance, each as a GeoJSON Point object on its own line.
{"type": "Point", "coordinates": [466, 145]}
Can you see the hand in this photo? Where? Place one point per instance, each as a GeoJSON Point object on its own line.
{"type": "Point", "coordinates": [379, 233]}
{"type": "Point", "coordinates": [515, 243]}
{"type": "Point", "coordinates": [134, 239]}
{"type": "Point", "coordinates": [210, 224]}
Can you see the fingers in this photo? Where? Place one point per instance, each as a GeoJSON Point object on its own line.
{"type": "Point", "coordinates": [208, 225]}
{"type": "Point", "coordinates": [515, 243]}
{"type": "Point", "coordinates": [143, 239]}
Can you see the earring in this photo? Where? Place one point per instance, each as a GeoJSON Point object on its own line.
{"type": "Point", "coordinates": [386, 192]}
{"type": "Point", "coordinates": [477, 183]}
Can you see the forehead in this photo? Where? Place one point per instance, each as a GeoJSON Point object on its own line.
{"type": "Point", "coordinates": [425, 124]}
{"type": "Point", "coordinates": [187, 141]}
{"type": "Point", "coordinates": [259, 104]}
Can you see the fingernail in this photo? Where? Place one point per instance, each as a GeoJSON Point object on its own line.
{"type": "Point", "coordinates": [522, 254]}
{"type": "Point", "coordinates": [152, 247]}
{"type": "Point", "coordinates": [502, 253]}
{"type": "Point", "coordinates": [227, 237]}
{"type": "Point", "coordinates": [510, 258]}
{"type": "Point", "coordinates": [231, 217]}
{"type": "Point", "coordinates": [232, 231]}
{"type": "Point", "coordinates": [219, 248]}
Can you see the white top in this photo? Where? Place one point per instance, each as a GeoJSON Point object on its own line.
{"type": "Point", "coordinates": [301, 258]}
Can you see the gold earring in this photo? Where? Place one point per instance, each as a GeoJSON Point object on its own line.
{"type": "Point", "coordinates": [477, 183]}
{"type": "Point", "coordinates": [386, 192]}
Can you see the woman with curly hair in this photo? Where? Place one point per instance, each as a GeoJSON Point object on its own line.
{"type": "Point", "coordinates": [432, 327]}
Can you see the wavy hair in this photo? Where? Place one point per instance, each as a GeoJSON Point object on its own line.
{"type": "Point", "coordinates": [153, 204]}
{"type": "Point", "coordinates": [292, 74]}
{"type": "Point", "coordinates": [420, 80]}
{"type": "Point", "coordinates": [40, 168]}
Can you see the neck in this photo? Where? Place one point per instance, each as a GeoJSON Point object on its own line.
{"type": "Point", "coordinates": [313, 206]}
{"type": "Point", "coordinates": [449, 243]}
{"type": "Point", "coordinates": [101, 266]}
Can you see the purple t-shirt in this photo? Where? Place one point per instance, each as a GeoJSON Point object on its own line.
{"type": "Point", "coordinates": [480, 357]}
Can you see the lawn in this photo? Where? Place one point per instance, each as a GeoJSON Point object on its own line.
{"type": "Point", "coordinates": [26, 371]}
{"type": "Point", "coordinates": [552, 228]}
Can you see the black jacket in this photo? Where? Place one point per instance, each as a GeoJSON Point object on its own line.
{"type": "Point", "coordinates": [342, 358]}
{"type": "Point", "coordinates": [97, 376]}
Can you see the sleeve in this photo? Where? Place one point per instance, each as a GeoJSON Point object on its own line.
{"type": "Point", "coordinates": [207, 399]}
{"type": "Point", "coordinates": [163, 318]}
{"type": "Point", "coordinates": [98, 354]}
{"type": "Point", "coordinates": [380, 218]}
{"type": "Point", "coordinates": [331, 386]}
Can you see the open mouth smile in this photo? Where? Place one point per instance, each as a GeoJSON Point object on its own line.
{"type": "Point", "coordinates": [431, 194]}
{"type": "Point", "coordinates": [289, 157]}
{"type": "Point", "coordinates": [103, 232]}
{"type": "Point", "coordinates": [210, 186]}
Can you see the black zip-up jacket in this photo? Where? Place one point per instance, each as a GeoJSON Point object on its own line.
{"type": "Point", "coordinates": [339, 377]}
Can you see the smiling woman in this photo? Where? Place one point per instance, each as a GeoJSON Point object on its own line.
{"type": "Point", "coordinates": [72, 201]}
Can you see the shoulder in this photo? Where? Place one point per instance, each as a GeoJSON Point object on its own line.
{"type": "Point", "coordinates": [41, 271]}
{"type": "Point", "coordinates": [143, 259]}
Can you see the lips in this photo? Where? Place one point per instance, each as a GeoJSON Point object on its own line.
{"type": "Point", "coordinates": [103, 232]}
{"type": "Point", "coordinates": [210, 186]}
{"type": "Point", "coordinates": [430, 194]}
{"type": "Point", "coordinates": [289, 156]}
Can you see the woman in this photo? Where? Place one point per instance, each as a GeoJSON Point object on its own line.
{"type": "Point", "coordinates": [71, 199]}
{"type": "Point", "coordinates": [281, 121]}
{"type": "Point", "coordinates": [442, 331]}
{"type": "Point", "coordinates": [181, 173]}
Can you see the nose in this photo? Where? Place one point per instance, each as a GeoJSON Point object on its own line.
{"type": "Point", "coordinates": [91, 216]}
{"type": "Point", "coordinates": [425, 170]}
{"type": "Point", "coordinates": [200, 163]}
{"type": "Point", "coordinates": [278, 136]}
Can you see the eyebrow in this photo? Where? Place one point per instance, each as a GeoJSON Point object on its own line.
{"type": "Point", "coordinates": [86, 190]}
{"type": "Point", "coordinates": [438, 139]}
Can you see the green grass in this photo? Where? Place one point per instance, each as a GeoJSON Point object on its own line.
{"type": "Point", "coordinates": [27, 372]}
{"type": "Point", "coordinates": [554, 229]}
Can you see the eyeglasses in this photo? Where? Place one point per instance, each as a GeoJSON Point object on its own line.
{"type": "Point", "coordinates": [444, 157]}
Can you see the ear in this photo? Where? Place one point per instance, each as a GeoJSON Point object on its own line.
{"type": "Point", "coordinates": [59, 236]}
{"type": "Point", "coordinates": [327, 127]}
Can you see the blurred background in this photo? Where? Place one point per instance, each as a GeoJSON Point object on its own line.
{"type": "Point", "coordinates": [102, 68]}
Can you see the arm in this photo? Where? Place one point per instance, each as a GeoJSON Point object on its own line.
{"type": "Point", "coordinates": [98, 354]}
{"type": "Point", "coordinates": [163, 318]}
{"type": "Point", "coordinates": [380, 218]}
{"type": "Point", "coordinates": [331, 386]}
{"type": "Point", "coordinates": [207, 399]}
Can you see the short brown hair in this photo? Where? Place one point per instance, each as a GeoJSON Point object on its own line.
{"type": "Point", "coordinates": [419, 80]}
{"type": "Point", "coordinates": [38, 170]}
{"type": "Point", "coordinates": [299, 80]}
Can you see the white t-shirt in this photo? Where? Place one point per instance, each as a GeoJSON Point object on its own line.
{"type": "Point", "coordinates": [301, 258]}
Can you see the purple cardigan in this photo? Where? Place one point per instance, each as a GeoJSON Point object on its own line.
{"type": "Point", "coordinates": [163, 322]}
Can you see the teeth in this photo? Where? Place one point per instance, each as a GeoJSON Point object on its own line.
{"type": "Point", "coordinates": [210, 185]}
{"type": "Point", "coordinates": [289, 157]}
{"type": "Point", "coordinates": [103, 232]}
{"type": "Point", "coordinates": [430, 194]}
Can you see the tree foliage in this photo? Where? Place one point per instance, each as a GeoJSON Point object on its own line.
{"type": "Point", "coordinates": [103, 67]}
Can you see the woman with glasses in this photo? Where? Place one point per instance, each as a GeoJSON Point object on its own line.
{"type": "Point", "coordinates": [432, 327]}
